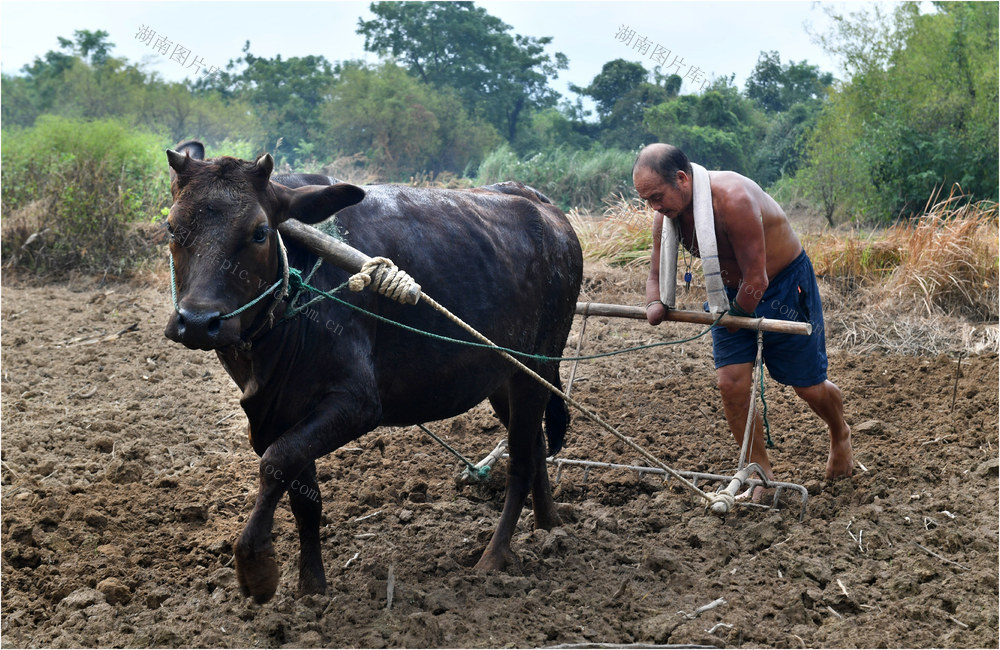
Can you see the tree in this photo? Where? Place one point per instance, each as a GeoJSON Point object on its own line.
{"type": "Point", "coordinates": [625, 127]}
{"type": "Point", "coordinates": [919, 109]}
{"type": "Point", "coordinates": [834, 170]}
{"type": "Point", "coordinates": [460, 46]}
{"type": "Point", "coordinates": [400, 124]}
{"type": "Point", "coordinates": [82, 81]}
{"type": "Point", "coordinates": [783, 149]}
{"type": "Point", "coordinates": [92, 47]}
{"type": "Point", "coordinates": [622, 92]}
{"type": "Point", "coordinates": [719, 129]}
{"type": "Point", "coordinates": [778, 87]}
{"type": "Point", "coordinates": [551, 128]}
{"type": "Point", "coordinates": [284, 94]}
{"type": "Point", "coordinates": [616, 79]}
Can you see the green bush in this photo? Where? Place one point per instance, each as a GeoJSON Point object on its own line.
{"type": "Point", "coordinates": [73, 191]}
{"type": "Point", "coordinates": [570, 178]}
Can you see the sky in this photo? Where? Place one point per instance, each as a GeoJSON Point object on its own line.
{"type": "Point", "coordinates": [710, 39]}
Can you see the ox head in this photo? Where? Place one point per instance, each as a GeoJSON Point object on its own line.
{"type": "Point", "coordinates": [223, 240]}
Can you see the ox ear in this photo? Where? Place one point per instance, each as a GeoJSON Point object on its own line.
{"type": "Point", "coordinates": [181, 158]}
{"type": "Point", "coordinates": [315, 203]}
{"type": "Point", "coordinates": [193, 148]}
{"type": "Point", "coordinates": [260, 175]}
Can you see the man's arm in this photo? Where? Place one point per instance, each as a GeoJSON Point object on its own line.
{"type": "Point", "coordinates": [655, 311]}
{"type": "Point", "coordinates": [741, 219]}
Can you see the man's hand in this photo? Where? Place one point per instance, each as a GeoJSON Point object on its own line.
{"type": "Point", "coordinates": [655, 312]}
{"type": "Point", "coordinates": [736, 310]}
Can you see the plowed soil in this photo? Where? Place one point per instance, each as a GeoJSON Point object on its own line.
{"type": "Point", "coordinates": [127, 475]}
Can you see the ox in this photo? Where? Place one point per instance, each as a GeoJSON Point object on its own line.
{"type": "Point", "coordinates": [503, 258]}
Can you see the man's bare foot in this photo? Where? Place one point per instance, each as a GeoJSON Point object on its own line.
{"type": "Point", "coordinates": [840, 464]}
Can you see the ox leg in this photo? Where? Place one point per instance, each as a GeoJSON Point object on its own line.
{"type": "Point", "coordinates": [280, 467]}
{"type": "Point", "coordinates": [524, 434]}
{"type": "Point", "coordinates": [253, 552]}
{"type": "Point", "coordinates": [307, 506]}
{"type": "Point", "coordinates": [542, 502]}
{"type": "Point", "coordinates": [500, 402]}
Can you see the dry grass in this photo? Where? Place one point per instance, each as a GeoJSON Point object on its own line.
{"type": "Point", "coordinates": [876, 331]}
{"type": "Point", "coordinates": [945, 262]}
{"type": "Point", "coordinates": [623, 237]}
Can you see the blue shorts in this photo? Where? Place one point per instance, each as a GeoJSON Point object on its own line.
{"type": "Point", "coordinates": [791, 359]}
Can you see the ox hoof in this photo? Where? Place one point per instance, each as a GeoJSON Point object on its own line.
{"type": "Point", "coordinates": [257, 573]}
{"type": "Point", "coordinates": [547, 521]}
{"type": "Point", "coordinates": [496, 561]}
{"type": "Point", "coordinates": [311, 584]}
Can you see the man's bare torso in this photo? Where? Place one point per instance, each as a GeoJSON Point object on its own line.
{"type": "Point", "coordinates": [735, 197]}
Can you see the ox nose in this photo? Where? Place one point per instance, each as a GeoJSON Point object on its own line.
{"type": "Point", "coordinates": [195, 328]}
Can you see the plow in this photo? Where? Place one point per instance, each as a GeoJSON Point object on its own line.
{"type": "Point", "coordinates": [382, 276]}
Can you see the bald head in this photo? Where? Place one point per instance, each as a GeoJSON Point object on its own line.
{"type": "Point", "coordinates": [664, 159]}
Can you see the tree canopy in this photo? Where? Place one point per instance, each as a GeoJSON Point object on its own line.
{"type": "Point", "coordinates": [918, 113]}
{"type": "Point", "coordinates": [915, 111]}
{"type": "Point", "coordinates": [458, 45]}
{"type": "Point", "coordinates": [778, 87]}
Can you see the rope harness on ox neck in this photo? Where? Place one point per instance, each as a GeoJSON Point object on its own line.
{"type": "Point", "coordinates": [380, 272]}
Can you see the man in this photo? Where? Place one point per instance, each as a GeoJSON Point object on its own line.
{"type": "Point", "coordinates": [766, 274]}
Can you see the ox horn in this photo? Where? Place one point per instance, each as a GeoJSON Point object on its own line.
{"type": "Point", "coordinates": [261, 173]}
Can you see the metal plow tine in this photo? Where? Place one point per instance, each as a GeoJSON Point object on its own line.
{"type": "Point", "coordinates": [696, 477]}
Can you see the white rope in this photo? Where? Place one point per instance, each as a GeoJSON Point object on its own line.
{"type": "Point", "coordinates": [387, 279]}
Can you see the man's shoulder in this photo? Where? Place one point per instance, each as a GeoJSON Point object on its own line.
{"type": "Point", "coordinates": [732, 191]}
{"type": "Point", "coordinates": [728, 182]}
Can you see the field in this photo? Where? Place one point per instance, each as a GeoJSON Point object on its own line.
{"type": "Point", "coordinates": [127, 475]}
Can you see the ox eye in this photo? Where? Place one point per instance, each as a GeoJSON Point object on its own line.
{"type": "Point", "coordinates": [260, 234]}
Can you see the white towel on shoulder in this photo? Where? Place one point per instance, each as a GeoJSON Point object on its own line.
{"type": "Point", "coordinates": [704, 226]}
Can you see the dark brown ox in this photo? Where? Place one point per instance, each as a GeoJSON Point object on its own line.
{"type": "Point", "coordinates": [502, 258]}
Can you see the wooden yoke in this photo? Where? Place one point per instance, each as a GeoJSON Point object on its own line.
{"type": "Point", "coordinates": [351, 259]}
{"type": "Point", "coordinates": [333, 251]}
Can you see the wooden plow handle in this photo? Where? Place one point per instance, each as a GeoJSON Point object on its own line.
{"type": "Point", "coordinates": [699, 317]}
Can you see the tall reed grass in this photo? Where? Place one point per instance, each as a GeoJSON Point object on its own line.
{"type": "Point", "coordinates": [570, 178]}
{"type": "Point", "coordinates": [623, 237]}
{"type": "Point", "coordinates": [945, 262]}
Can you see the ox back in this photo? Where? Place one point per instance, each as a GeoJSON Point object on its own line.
{"type": "Point", "coordinates": [508, 266]}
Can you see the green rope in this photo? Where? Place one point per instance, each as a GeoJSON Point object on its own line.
{"type": "Point", "coordinates": [767, 425]}
{"type": "Point", "coordinates": [478, 473]}
{"type": "Point", "coordinates": [298, 284]}
{"type": "Point", "coordinates": [296, 280]}
{"type": "Point", "coordinates": [177, 307]}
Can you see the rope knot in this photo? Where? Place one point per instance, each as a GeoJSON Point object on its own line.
{"type": "Point", "coordinates": [295, 281]}
{"type": "Point", "coordinates": [721, 502]}
{"type": "Point", "coordinates": [387, 279]}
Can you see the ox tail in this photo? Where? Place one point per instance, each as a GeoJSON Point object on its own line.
{"type": "Point", "coordinates": [556, 422]}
